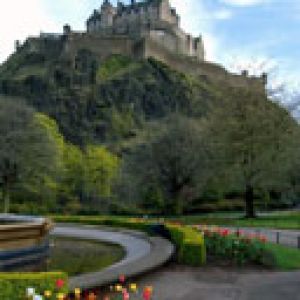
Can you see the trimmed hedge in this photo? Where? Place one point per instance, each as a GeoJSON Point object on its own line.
{"type": "Point", "coordinates": [190, 245]}
{"type": "Point", "coordinates": [13, 286]}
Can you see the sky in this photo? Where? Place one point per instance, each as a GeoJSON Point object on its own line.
{"type": "Point", "coordinates": [259, 35]}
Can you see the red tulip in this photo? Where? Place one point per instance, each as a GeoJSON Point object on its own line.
{"type": "Point", "coordinates": [59, 283]}
{"type": "Point", "coordinates": [263, 239]}
{"type": "Point", "coordinates": [225, 232]}
{"type": "Point", "coordinates": [122, 278]}
{"type": "Point", "coordinates": [147, 293]}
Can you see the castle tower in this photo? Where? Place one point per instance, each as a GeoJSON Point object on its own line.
{"type": "Point", "coordinates": [107, 14]}
{"type": "Point", "coordinates": [199, 51]}
{"type": "Point", "coordinates": [168, 14]}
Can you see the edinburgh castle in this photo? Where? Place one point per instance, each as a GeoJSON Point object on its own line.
{"type": "Point", "coordinates": [140, 30]}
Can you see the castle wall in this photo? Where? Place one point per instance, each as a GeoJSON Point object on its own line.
{"type": "Point", "coordinates": [165, 39]}
{"type": "Point", "coordinates": [188, 65]}
{"type": "Point", "coordinates": [101, 46]}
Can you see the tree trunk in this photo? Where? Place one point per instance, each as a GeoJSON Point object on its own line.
{"type": "Point", "coordinates": [178, 209]}
{"type": "Point", "coordinates": [249, 199]}
{"type": "Point", "coordinates": [6, 198]}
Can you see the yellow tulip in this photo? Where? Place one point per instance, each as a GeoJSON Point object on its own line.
{"type": "Point", "coordinates": [60, 296]}
{"type": "Point", "coordinates": [47, 294]}
{"type": "Point", "coordinates": [133, 287]}
{"type": "Point", "coordinates": [77, 292]}
{"type": "Point", "coordinates": [118, 288]}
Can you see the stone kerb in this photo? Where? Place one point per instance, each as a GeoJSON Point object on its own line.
{"type": "Point", "coordinates": [143, 253]}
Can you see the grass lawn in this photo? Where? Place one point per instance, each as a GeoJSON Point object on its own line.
{"type": "Point", "coordinates": [286, 259]}
{"type": "Point", "coordinates": [290, 220]}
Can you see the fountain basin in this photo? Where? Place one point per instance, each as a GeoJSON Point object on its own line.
{"type": "Point", "coordinates": [23, 239]}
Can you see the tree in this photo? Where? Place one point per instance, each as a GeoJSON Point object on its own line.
{"type": "Point", "coordinates": [27, 153]}
{"type": "Point", "coordinates": [254, 140]}
{"type": "Point", "coordinates": [100, 171]}
{"type": "Point", "coordinates": [171, 164]}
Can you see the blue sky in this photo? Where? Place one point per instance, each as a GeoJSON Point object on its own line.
{"type": "Point", "coordinates": [255, 34]}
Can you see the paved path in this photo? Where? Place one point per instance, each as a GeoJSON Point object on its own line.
{"type": "Point", "coordinates": [143, 253]}
{"type": "Point", "coordinates": [286, 237]}
{"type": "Point", "coordinates": [212, 283]}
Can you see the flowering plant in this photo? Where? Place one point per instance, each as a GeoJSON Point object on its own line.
{"type": "Point", "coordinates": [237, 247]}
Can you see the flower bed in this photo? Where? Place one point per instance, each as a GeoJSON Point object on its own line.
{"type": "Point", "coordinates": [16, 286]}
{"type": "Point", "coordinates": [236, 246]}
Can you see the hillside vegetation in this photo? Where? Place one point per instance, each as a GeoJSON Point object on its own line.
{"type": "Point", "coordinates": [103, 101]}
{"type": "Point", "coordinates": [137, 136]}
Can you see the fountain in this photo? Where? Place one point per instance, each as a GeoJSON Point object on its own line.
{"type": "Point", "coordinates": [23, 240]}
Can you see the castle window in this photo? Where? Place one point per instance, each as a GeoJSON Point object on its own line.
{"type": "Point", "coordinates": [159, 32]}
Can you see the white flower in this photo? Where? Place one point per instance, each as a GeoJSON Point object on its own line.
{"type": "Point", "coordinates": [30, 292]}
{"type": "Point", "coordinates": [38, 297]}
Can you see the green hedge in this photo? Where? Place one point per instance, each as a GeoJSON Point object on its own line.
{"type": "Point", "coordinates": [190, 245]}
{"type": "Point", "coordinates": [13, 286]}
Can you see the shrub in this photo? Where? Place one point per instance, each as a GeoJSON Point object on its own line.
{"type": "Point", "coordinates": [112, 66]}
{"type": "Point", "coordinates": [190, 245]}
{"type": "Point", "coordinates": [13, 285]}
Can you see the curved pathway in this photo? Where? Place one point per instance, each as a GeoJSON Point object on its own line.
{"type": "Point", "coordinates": [143, 253]}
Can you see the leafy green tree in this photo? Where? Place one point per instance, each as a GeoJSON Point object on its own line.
{"type": "Point", "coordinates": [28, 155]}
{"type": "Point", "coordinates": [172, 164]}
{"type": "Point", "coordinates": [71, 187]}
{"type": "Point", "coordinates": [254, 140]}
{"type": "Point", "coordinates": [100, 170]}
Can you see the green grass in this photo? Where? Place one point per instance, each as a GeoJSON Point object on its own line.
{"type": "Point", "coordinates": [84, 256]}
{"type": "Point", "coordinates": [284, 220]}
{"type": "Point", "coordinates": [285, 258]}
{"type": "Point", "coordinates": [289, 220]}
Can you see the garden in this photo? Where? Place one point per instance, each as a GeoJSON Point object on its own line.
{"type": "Point", "coordinates": [196, 245]}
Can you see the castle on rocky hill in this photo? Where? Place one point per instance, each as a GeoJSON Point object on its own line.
{"type": "Point", "coordinates": [153, 19]}
{"type": "Point", "coordinates": [139, 30]}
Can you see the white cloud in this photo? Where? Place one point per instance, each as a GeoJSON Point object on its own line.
{"type": "Point", "coordinates": [211, 45]}
{"type": "Point", "coordinates": [222, 14]}
{"type": "Point", "coordinates": [197, 19]}
{"type": "Point", "coordinates": [243, 2]}
{"type": "Point", "coordinates": [19, 19]}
